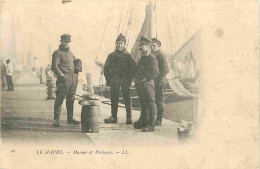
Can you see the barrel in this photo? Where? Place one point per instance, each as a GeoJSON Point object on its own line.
{"type": "Point", "coordinates": [90, 119]}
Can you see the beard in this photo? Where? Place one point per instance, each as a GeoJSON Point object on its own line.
{"type": "Point", "coordinates": [147, 53]}
{"type": "Point", "coordinates": [120, 48]}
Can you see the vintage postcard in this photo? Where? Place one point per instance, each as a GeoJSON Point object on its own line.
{"type": "Point", "coordinates": [129, 84]}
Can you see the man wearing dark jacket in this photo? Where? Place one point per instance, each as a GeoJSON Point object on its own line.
{"type": "Point", "coordinates": [119, 71]}
{"type": "Point", "coordinates": [147, 71]}
{"type": "Point", "coordinates": [67, 80]}
{"type": "Point", "coordinates": [159, 81]}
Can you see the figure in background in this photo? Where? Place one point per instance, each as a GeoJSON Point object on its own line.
{"type": "Point", "coordinates": [9, 73]}
{"type": "Point", "coordinates": [119, 71]}
{"type": "Point", "coordinates": [3, 75]}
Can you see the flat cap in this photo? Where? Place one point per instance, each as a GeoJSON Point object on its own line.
{"type": "Point", "coordinates": [66, 37]}
{"type": "Point", "coordinates": [144, 40]}
{"type": "Point", "coordinates": [154, 40]}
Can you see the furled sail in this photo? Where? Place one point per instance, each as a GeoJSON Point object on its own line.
{"type": "Point", "coordinates": [146, 31]}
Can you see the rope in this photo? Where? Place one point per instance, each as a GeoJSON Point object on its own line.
{"type": "Point", "coordinates": [108, 18]}
{"type": "Point", "coordinates": [109, 103]}
{"type": "Point", "coordinates": [120, 21]}
{"type": "Point", "coordinates": [127, 15]}
{"type": "Point", "coordinates": [186, 35]}
{"type": "Point", "coordinates": [155, 19]}
{"type": "Point", "coordinates": [176, 32]}
{"type": "Point", "coordinates": [129, 25]}
{"type": "Point", "coordinates": [168, 27]}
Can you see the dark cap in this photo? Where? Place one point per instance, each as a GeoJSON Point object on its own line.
{"type": "Point", "coordinates": [144, 40]}
{"type": "Point", "coordinates": [154, 40]}
{"type": "Point", "coordinates": [65, 37]}
{"type": "Point", "coordinates": [121, 37]}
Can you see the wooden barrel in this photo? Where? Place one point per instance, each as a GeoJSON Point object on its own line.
{"type": "Point", "coordinates": [90, 119]}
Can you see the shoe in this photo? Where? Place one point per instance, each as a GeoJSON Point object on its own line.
{"type": "Point", "coordinates": [129, 120]}
{"type": "Point", "coordinates": [138, 125]}
{"type": "Point", "coordinates": [73, 121]}
{"type": "Point", "coordinates": [56, 123]}
{"type": "Point", "coordinates": [157, 123]}
{"type": "Point", "coordinates": [110, 120]}
{"type": "Point", "coordinates": [148, 129]}
{"type": "Point", "coordinates": [138, 121]}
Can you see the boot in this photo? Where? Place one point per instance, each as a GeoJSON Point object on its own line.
{"type": "Point", "coordinates": [73, 121]}
{"type": "Point", "coordinates": [110, 120]}
{"type": "Point", "coordinates": [148, 129]}
{"type": "Point", "coordinates": [138, 125]}
{"type": "Point", "coordinates": [157, 123]}
{"type": "Point", "coordinates": [70, 119]}
{"type": "Point", "coordinates": [129, 120]}
{"type": "Point", "coordinates": [138, 121]}
{"type": "Point", "coordinates": [56, 123]}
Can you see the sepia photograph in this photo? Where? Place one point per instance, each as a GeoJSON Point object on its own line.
{"type": "Point", "coordinates": [107, 81]}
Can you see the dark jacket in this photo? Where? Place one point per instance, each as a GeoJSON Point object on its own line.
{"type": "Point", "coordinates": [77, 66]}
{"type": "Point", "coordinates": [162, 65]}
{"type": "Point", "coordinates": [62, 61]}
{"type": "Point", "coordinates": [119, 67]}
{"type": "Point", "coordinates": [147, 67]}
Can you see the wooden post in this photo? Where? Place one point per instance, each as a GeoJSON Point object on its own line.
{"type": "Point", "coordinates": [89, 84]}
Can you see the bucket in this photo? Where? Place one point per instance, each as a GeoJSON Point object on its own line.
{"type": "Point", "coordinates": [90, 118]}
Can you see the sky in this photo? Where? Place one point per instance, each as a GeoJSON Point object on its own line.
{"type": "Point", "coordinates": [93, 25]}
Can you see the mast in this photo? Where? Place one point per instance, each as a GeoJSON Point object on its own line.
{"type": "Point", "coordinates": [146, 30]}
{"type": "Point", "coordinates": [13, 43]}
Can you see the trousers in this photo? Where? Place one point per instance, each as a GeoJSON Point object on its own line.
{"type": "Point", "coordinates": [114, 96]}
{"type": "Point", "coordinates": [146, 94]}
{"type": "Point", "coordinates": [66, 87]}
{"type": "Point", "coordinates": [159, 99]}
{"type": "Point", "coordinates": [9, 82]}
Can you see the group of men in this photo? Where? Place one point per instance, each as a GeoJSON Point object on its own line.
{"type": "Point", "coordinates": [120, 70]}
{"type": "Point", "coordinates": [6, 75]}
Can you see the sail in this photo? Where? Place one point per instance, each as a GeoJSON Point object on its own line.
{"type": "Point", "coordinates": [146, 31]}
{"type": "Point", "coordinates": [184, 75]}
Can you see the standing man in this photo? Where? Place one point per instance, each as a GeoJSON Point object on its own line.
{"type": "Point", "coordinates": [119, 71]}
{"type": "Point", "coordinates": [147, 71]}
{"type": "Point", "coordinates": [9, 72]}
{"type": "Point", "coordinates": [3, 75]}
{"type": "Point", "coordinates": [67, 80]}
{"type": "Point", "coordinates": [160, 80]}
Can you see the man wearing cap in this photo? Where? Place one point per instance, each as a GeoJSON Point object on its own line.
{"type": "Point", "coordinates": [160, 80]}
{"type": "Point", "coordinates": [67, 80]}
{"type": "Point", "coordinates": [119, 71]}
{"type": "Point", "coordinates": [147, 71]}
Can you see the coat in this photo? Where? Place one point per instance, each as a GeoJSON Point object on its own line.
{"type": "Point", "coordinates": [119, 67]}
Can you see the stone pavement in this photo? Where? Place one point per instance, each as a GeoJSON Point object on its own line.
{"type": "Point", "coordinates": [27, 118]}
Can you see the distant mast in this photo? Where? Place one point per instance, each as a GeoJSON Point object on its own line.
{"type": "Point", "coordinates": [12, 54]}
